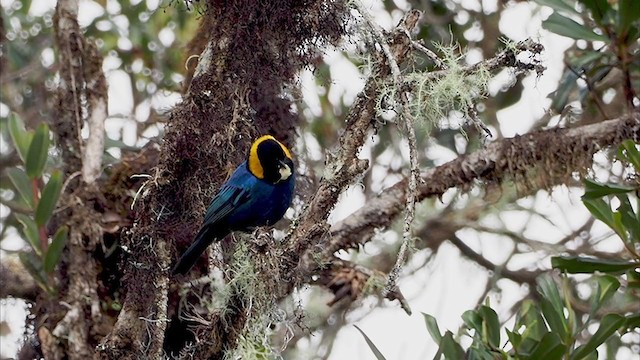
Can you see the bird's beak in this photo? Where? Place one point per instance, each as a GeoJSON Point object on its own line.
{"type": "Point", "coordinates": [284, 169]}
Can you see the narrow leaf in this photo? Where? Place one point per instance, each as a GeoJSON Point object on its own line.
{"type": "Point", "coordinates": [609, 324]}
{"type": "Point", "coordinates": [558, 5]}
{"type": "Point", "coordinates": [432, 327]}
{"type": "Point", "coordinates": [628, 218]}
{"type": "Point", "coordinates": [600, 210]}
{"type": "Point", "coordinates": [628, 12]}
{"type": "Point", "coordinates": [34, 268]}
{"type": "Point", "coordinates": [22, 184]}
{"type": "Point", "coordinates": [567, 86]}
{"type": "Point", "coordinates": [491, 325]}
{"type": "Point", "coordinates": [38, 150]}
{"type": "Point", "coordinates": [564, 26]}
{"type": "Point", "coordinates": [629, 152]}
{"type": "Point", "coordinates": [549, 348]}
{"type": "Point", "coordinates": [552, 306]}
{"type": "Point", "coordinates": [596, 190]}
{"type": "Point", "coordinates": [49, 198]}
{"type": "Point", "coordinates": [55, 249]}
{"type": "Point", "coordinates": [30, 230]}
{"type": "Point", "coordinates": [372, 346]}
{"type": "Point", "coordinates": [632, 322]}
{"type": "Point", "coordinates": [607, 286]}
{"type": "Point", "coordinates": [599, 9]}
{"type": "Point", "coordinates": [587, 58]}
{"type": "Point", "coordinates": [450, 348]}
{"type": "Point", "coordinates": [473, 320]}
{"type": "Point", "coordinates": [532, 319]}
{"type": "Point", "coordinates": [587, 265]}
{"type": "Point", "coordinates": [19, 135]}
{"type": "Point", "coordinates": [514, 338]}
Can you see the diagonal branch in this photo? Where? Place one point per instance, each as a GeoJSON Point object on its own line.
{"type": "Point", "coordinates": [345, 166]}
{"type": "Point", "coordinates": [560, 151]}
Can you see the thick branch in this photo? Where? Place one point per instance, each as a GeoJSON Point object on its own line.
{"type": "Point", "coordinates": [555, 150]}
{"type": "Point", "coordinates": [344, 167]}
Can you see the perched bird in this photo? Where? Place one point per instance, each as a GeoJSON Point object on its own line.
{"type": "Point", "coordinates": [258, 193]}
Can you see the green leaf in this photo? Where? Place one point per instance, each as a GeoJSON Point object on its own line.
{"type": "Point", "coordinates": [552, 306]}
{"type": "Point", "coordinates": [531, 318]}
{"type": "Point", "coordinates": [432, 327]}
{"type": "Point", "coordinates": [473, 320]}
{"type": "Point", "coordinates": [372, 346]}
{"type": "Point", "coordinates": [595, 190]}
{"type": "Point", "coordinates": [629, 152]}
{"type": "Point", "coordinates": [549, 348]}
{"type": "Point", "coordinates": [31, 233]}
{"type": "Point", "coordinates": [34, 268]}
{"type": "Point", "coordinates": [450, 348]}
{"type": "Point", "coordinates": [599, 9]}
{"type": "Point", "coordinates": [606, 287]}
{"type": "Point", "coordinates": [514, 338]}
{"type": "Point", "coordinates": [632, 322]}
{"type": "Point", "coordinates": [600, 210]}
{"type": "Point", "coordinates": [49, 198]}
{"type": "Point", "coordinates": [587, 265]}
{"type": "Point", "coordinates": [609, 324]}
{"type": "Point", "coordinates": [628, 12]}
{"type": "Point", "coordinates": [55, 249]}
{"type": "Point", "coordinates": [38, 151]}
{"type": "Point", "coordinates": [558, 5]}
{"type": "Point", "coordinates": [22, 184]}
{"type": "Point", "coordinates": [480, 352]}
{"type": "Point", "coordinates": [491, 325]}
{"type": "Point", "coordinates": [628, 221]}
{"type": "Point", "coordinates": [567, 86]}
{"type": "Point", "coordinates": [633, 279]}
{"type": "Point", "coordinates": [564, 26]}
{"type": "Point", "coordinates": [548, 288]}
{"type": "Point", "coordinates": [19, 135]}
{"type": "Point", "coordinates": [628, 218]}
{"type": "Point", "coordinates": [586, 59]}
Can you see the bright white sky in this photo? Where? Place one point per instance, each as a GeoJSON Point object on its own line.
{"type": "Point", "coordinates": [449, 285]}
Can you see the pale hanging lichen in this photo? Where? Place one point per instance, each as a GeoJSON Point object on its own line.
{"type": "Point", "coordinates": [433, 96]}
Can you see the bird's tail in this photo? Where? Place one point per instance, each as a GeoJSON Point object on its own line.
{"type": "Point", "coordinates": [204, 238]}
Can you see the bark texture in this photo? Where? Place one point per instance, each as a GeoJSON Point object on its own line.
{"type": "Point", "coordinates": [123, 304]}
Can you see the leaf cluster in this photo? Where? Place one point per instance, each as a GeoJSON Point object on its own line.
{"type": "Point", "coordinates": [34, 201]}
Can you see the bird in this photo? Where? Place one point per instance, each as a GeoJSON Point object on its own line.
{"type": "Point", "coordinates": [258, 193]}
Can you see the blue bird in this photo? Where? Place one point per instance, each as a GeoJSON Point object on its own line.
{"type": "Point", "coordinates": [258, 193]}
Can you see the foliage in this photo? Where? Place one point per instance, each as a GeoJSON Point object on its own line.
{"type": "Point", "coordinates": [549, 328]}
{"type": "Point", "coordinates": [615, 24]}
{"type": "Point", "coordinates": [34, 203]}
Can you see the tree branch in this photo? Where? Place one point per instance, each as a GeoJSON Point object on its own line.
{"type": "Point", "coordinates": [345, 166]}
{"type": "Point", "coordinates": [507, 159]}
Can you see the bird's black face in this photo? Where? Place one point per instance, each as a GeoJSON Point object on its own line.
{"type": "Point", "coordinates": [270, 160]}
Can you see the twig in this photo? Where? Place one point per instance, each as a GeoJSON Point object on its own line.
{"type": "Point", "coordinates": [430, 54]}
{"type": "Point", "coordinates": [408, 121]}
{"type": "Point", "coordinates": [522, 277]}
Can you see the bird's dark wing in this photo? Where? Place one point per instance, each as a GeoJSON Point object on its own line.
{"type": "Point", "coordinates": [228, 199]}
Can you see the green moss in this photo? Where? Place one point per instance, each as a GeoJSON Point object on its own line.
{"type": "Point", "coordinates": [433, 98]}
{"type": "Point", "coordinates": [374, 284]}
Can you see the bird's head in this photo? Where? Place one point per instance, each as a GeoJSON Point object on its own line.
{"type": "Point", "coordinates": [270, 160]}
